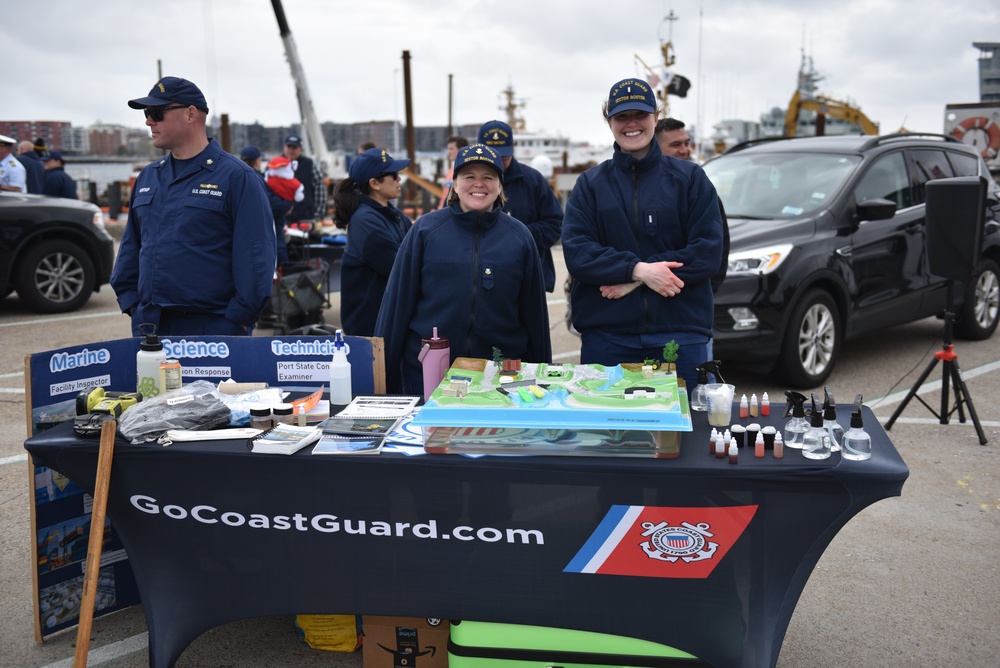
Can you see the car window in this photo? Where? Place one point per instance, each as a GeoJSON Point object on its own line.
{"type": "Point", "coordinates": [929, 164]}
{"type": "Point", "coordinates": [964, 164]}
{"type": "Point", "coordinates": [778, 185]}
{"type": "Point", "coordinates": [885, 179]}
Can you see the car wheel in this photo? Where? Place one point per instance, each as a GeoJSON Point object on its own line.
{"type": "Point", "coordinates": [977, 319]}
{"type": "Point", "coordinates": [812, 341]}
{"type": "Point", "coordinates": [55, 277]}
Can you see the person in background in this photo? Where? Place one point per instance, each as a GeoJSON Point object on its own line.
{"type": "Point", "coordinates": [364, 146]}
{"type": "Point", "coordinates": [375, 228]}
{"type": "Point", "coordinates": [642, 237]}
{"type": "Point", "coordinates": [283, 191]}
{"type": "Point", "coordinates": [529, 197]}
{"type": "Point", "coordinates": [12, 174]}
{"type": "Point", "coordinates": [313, 207]}
{"type": "Point", "coordinates": [39, 147]}
{"type": "Point", "coordinates": [470, 270]}
{"type": "Point", "coordinates": [57, 182]}
{"type": "Point", "coordinates": [33, 167]}
{"type": "Point", "coordinates": [251, 155]}
{"type": "Point", "coordinates": [674, 141]}
{"type": "Point", "coordinates": [454, 143]}
{"type": "Point", "coordinates": [198, 251]}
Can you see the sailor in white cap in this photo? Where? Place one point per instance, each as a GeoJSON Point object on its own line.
{"type": "Point", "coordinates": [12, 175]}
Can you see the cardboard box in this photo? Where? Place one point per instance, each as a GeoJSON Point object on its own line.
{"type": "Point", "coordinates": [405, 642]}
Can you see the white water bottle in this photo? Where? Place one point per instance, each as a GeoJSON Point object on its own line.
{"type": "Point", "coordinates": [340, 375]}
{"type": "Point", "coordinates": [149, 376]}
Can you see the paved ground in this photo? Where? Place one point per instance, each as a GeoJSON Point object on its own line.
{"type": "Point", "coordinates": [910, 582]}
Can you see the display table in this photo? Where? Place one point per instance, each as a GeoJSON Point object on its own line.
{"type": "Point", "coordinates": [217, 534]}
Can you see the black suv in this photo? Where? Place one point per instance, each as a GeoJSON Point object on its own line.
{"type": "Point", "coordinates": [55, 252]}
{"type": "Point", "coordinates": [828, 242]}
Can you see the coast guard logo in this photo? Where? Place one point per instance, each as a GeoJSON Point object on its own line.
{"type": "Point", "coordinates": [669, 543]}
{"type": "Point", "coordinates": [661, 542]}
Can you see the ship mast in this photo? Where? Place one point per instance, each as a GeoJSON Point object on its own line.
{"type": "Point", "coordinates": [511, 107]}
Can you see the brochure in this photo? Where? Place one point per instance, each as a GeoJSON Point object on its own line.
{"type": "Point", "coordinates": [340, 444]}
{"type": "Point", "coordinates": [284, 439]}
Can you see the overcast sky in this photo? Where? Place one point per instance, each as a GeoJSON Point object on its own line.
{"type": "Point", "coordinates": [900, 61]}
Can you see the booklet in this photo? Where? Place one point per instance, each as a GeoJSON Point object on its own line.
{"type": "Point", "coordinates": [284, 439]}
{"type": "Point", "coordinates": [340, 444]}
{"type": "Point", "coordinates": [358, 426]}
{"type": "Point", "coordinates": [379, 406]}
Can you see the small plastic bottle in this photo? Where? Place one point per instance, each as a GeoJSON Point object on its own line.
{"type": "Point", "coordinates": [754, 406]}
{"type": "Point", "coordinates": [765, 405]}
{"type": "Point", "coordinates": [816, 440]}
{"type": "Point", "coordinates": [734, 452]}
{"type": "Point", "coordinates": [711, 441]}
{"type": "Point", "coordinates": [779, 446]}
{"type": "Point", "coordinates": [857, 441]}
{"type": "Point", "coordinates": [758, 446]}
{"type": "Point", "coordinates": [340, 375]}
{"type": "Point", "coordinates": [744, 407]}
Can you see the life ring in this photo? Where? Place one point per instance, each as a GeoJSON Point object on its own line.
{"type": "Point", "coordinates": [985, 125]}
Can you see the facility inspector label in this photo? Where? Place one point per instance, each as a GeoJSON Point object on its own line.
{"type": "Point", "coordinates": [315, 372]}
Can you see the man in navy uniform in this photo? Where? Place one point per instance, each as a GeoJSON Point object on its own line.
{"type": "Point", "coordinates": [197, 255]}
{"type": "Point", "coordinates": [529, 197]}
{"type": "Point", "coordinates": [12, 175]}
{"type": "Point", "coordinates": [57, 182]}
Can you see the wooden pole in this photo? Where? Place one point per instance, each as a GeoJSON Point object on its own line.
{"type": "Point", "coordinates": [97, 515]}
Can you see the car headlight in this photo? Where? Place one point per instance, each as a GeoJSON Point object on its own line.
{"type": "Point", "coordinates": [99, 221]}
{"type": "Point", "coordinates": [759, 260]}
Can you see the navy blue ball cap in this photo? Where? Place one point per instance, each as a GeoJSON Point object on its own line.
{"type": "Point", "coordinates": [250, 152]}
{"type": "Point", "coordinates": [171, 90]}
{"type": "Point", "coordinates": [293, 140]}
{"type": "Point", "coordinates": [373, 162]}
{"type": "Point", "coordinates": [53, 155]}
{"type": "Point", "coordinates": [498, 136]}
{"type": "Point", "coordinates": [479, 153]}
{"type": "Point", "coordinates": [631, 95]}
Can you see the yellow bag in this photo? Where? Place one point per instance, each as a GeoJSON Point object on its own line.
{"type": "Point", "coordinates": [334, 633]}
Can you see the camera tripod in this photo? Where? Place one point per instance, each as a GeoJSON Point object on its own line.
{"type": "Point", "coordinates": [949, 372]}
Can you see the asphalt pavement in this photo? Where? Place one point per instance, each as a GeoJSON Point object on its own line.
{"type": "Point", "coordinates": [909, 582]}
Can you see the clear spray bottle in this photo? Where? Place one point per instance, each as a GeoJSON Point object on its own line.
{"type": "Point", "coordinates": [816, 440]}
{"type": "Point", "coordinates": [796, 427]}
{"type": "Point", "coordinates": [830, 420]}
{"type": "Point", "coordinates": [857, 441]}
{"type": "Point", "coordinates": [699, 400]}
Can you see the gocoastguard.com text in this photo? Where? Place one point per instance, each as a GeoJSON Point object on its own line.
{"type": "Point", "coordinates": [328, 523]}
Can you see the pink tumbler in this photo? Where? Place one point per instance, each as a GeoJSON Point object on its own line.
{"type": "Point", "coordinates": [435, 355]}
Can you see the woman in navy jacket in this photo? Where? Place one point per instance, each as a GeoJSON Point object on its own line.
{"type": "Point", "coordinates": [375, 228]}
{"type": "Point", "coordinates": [642, 237]}
{"type": "Point", "coordinates": [470, 270]}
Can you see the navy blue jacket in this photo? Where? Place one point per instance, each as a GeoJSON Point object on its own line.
{"type": "Point", "coordinates": [200, 241]}
{"type": "Point", "coordinates": [477, 278]}
{"type": "Point", "coordinates": [59, 184]}
{"type": "Point", "coordinates": [625, 211]}
{"type": "Point", "coordinates": [373, 237]}
{"type": "Point", "coordinates": [34, 170]}
{"type": "Point", "coordinates": [531, 200]}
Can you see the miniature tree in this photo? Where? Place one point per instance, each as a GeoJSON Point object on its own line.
{"type": "Point", "coordinates": [670, 354]}
{"type": "Point", "coordinates": [497, 357]}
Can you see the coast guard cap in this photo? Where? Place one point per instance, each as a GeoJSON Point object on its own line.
{"type": "Point", "coordinates": [53, 155]}
{"type": "Point", "coordinates": [7, 141]}
{"type": "Point", "coordinates": [631, 94]}
{"type": "Point", "coordinates": [373, 162]}
{"type": "Point", "coordinates": [293, 140]}
{"type": "Point", "coordinates": [498, 136]}
{"type": "Point", "coordinates": [479, 153]}
{"type": "Point", "coordinates": [250, 152]}
{"type": "Point", "coordinates": [171, 90]}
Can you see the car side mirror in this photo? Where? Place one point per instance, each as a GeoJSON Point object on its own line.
{"type": "Point", "coordinates": [876, 209]}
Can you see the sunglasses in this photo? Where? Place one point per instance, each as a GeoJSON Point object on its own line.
{"type": "Point", "coordinates": [156, 113]}
{"type": "Point", "coordinates": [392, 175]}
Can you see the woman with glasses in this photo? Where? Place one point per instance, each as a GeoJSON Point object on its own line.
{"type": "Point", "coordinates": [470, 270]}
{"type": "Point", "coordinates": [375, 228]}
